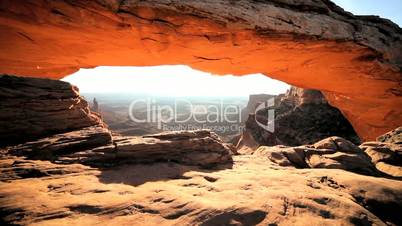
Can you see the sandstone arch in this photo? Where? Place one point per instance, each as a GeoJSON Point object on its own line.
{"type": "Point", "coordinates": [355, 60]}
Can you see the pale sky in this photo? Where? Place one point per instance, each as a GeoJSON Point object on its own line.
{"type": "Point", "coordinates": [177, 80]}
{"type": "Point", "coordinates": [183, 81]}
{"type": "Point", "coordinates": [390, 9]}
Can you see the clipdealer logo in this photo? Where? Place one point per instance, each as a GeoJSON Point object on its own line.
{"type": "Point", "coordinates": [163, 114]}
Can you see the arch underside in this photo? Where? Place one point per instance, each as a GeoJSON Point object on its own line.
{"type": "Point", "coordinates": [354, 61]}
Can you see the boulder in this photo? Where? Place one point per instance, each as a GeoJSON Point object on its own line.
{"type": "Point", "coordinates": [394, 136]}
{"type": "Point", "coordinates": [337, 144]}
{"type": "Point", "coordinates": [387, 157]}
{"type": "Point", "coordinates": [283, 156]}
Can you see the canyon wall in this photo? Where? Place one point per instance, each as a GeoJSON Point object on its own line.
{"type": "Point", "coordinates": [302, 116]}
{"type": "Point", "coordinates": [354, 60]}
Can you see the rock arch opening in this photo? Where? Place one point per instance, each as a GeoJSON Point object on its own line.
{"type": "Point", "coordinates": [148, 100]}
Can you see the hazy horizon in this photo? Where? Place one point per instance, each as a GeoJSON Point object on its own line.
{"type": "Point", "coordinates": [173, 81]}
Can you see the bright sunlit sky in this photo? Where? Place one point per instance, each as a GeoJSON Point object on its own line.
{"type": "Point", "coordinates": [176, 80]}
{"type": "Point", "coordinates": [181, 80]}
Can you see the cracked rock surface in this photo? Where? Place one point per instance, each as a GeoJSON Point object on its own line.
{"type": "Point", "coordinates": [249, 191]}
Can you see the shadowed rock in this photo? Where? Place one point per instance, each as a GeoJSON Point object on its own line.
{"type": "Point", "coordinates": [386, 155]}
{"type": "Point", "coordinates": [202, 148]}
{"type": "Point", "coordinates": [301, 116]}
{"type": "Point", "coordinates": [33, 108]}
{"type": "Point", "coordinates": [65, 143]}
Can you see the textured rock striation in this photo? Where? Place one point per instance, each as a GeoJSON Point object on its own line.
{"type": "Point", "coordinates": [50, 148]}
{"type": "Point", "coordinates": [95, 146]}
{"type": "Point", "coordinates": [354, 60]}
{"type": "Point", "coordinates": [32, 108]}
{"type": "Point", "coordinates": [301, 117]}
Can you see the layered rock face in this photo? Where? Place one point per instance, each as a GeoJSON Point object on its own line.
{"type": "Point", "coordinates": [354, 60]}
{"type": "Point", "coordinates": [254, 101]}
{"type": "Point", "coordinates": [32, 108]}
{"type": "Point", "coordinates": [201, 148]}
{"type": "Point", "coordinates": [95, 146]}
{"type": "Point", "coordinates": [301, 117]}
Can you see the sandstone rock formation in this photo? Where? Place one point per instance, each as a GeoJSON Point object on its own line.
{"type": "Point", "coordinates": [254, 101]}
{"type": "Point", "coordinates": [301, 117]}
{"type": "Point", "coordinates": [252, 191]}
{"type": "Point", "coordinates": [330, 153]}
{"type": "Point", "coordinates": [50, 148]}
{"type": "Point", "coordinates": [32, 108]}
{"type": "Point", "coordinates": [88, 176]}
{"type": "Point", "coordinates": [386, 153]}
{"type": "Point", "coordinates": [387, 157]}
{"type": "Point", "coordinates": [95, 146]}
{"type": "Point", "coordinates": [354, 60]}
{"type": "Point", "coordinates": [394, 136]}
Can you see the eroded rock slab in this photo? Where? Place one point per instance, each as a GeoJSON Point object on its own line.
{"type": "Point", "coordinates": [95, 146]}
{"type": "Point", "coordinates": [15, 168]}
{"type": "Point", "coordinates": [50, 148]}
{"type": "Point", "coordinates": [330, 153]}
{"type": "Point", "coordinates": [251, 192]}
{"type": "Point", "coordinates": [386, 155]}
{"type": "Point", "coordinates": [202, 148]}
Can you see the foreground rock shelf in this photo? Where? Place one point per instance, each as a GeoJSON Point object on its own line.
{"type": "Point", "coordinates": [190, 178]}
{"type": "Point", "coordinates": [251, 191]}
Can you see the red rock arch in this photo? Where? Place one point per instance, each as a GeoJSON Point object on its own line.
{"type": "Point", "coordinates": [354, 60]}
